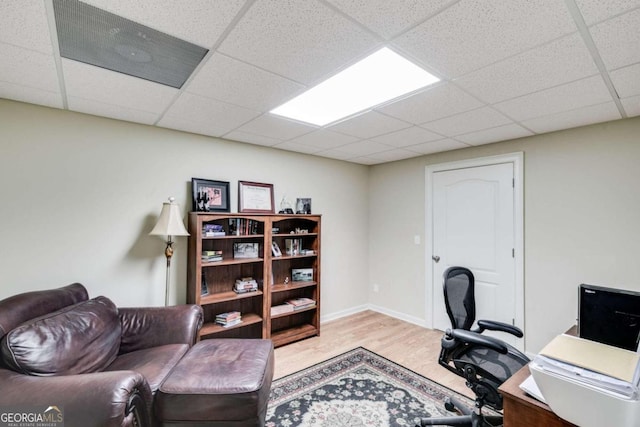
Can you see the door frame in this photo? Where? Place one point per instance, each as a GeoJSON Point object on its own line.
{"type": "Point", "coordinates": [516, 159]}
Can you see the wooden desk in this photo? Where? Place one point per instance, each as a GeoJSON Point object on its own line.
{"type": "Point", "coordinates": [520, 409]}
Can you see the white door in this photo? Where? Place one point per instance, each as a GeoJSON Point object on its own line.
{"type": "Point", "coordinates": [473, 227]}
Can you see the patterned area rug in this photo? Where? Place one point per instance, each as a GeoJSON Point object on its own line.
{"type": "Point", "coordinates": [356, 389]}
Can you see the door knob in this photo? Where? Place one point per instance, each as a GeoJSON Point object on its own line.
{"type": "Point", "coordinates": [436, 258]}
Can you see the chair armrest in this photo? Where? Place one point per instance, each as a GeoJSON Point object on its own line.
{"type": "Point", "coordinates": [100, 399]}
{"type": "Point", "coordinates": [146, 327]}
{"type": "Point", "coordinates": [477, 339]}
{"type": "Point", "coordinates": [491, 325]}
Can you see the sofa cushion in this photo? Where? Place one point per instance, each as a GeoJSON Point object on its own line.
{"type": "Point", "coordinates": [81, 338]}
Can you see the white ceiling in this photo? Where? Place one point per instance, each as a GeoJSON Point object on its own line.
{"type": "Point", "coordinates": [509, 69]}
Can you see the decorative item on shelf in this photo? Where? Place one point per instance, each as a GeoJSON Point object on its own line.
{"type": "Point", "coordinates": [285, 206]}
{"type": "Point", "coordinates": [204, 290]}
{"type": "Point", "coordinates": [286, 280]}
{"type": "Point", "coordinates": [302, 274]}
{"type": "Point", "coordinates": [292, 246]}
{"type": "Point", "coordinates": [246, 250]}
{"type": "Point", "coordinates": [169, 224]}
{"type": "Point", "coordinates": [210, 196]}
{"type": "Point", "coordinates": [275, 249]}
{"type": "Point", "coordinates": [255, 197]}
{"type": "Point", "coordinates": [213, 230]}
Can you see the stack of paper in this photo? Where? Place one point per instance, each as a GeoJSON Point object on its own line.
{"type": "Point", "coordinates": [608, 368]}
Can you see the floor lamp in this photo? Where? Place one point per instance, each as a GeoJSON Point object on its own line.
{"type": "Point", "coordinates": [169, 224]}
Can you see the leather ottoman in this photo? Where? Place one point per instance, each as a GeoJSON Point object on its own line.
{"type": "Point", "coordinates": [219, 382]}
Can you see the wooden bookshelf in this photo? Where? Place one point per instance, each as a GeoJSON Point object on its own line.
{"type": "Point", "coordinates": [274, 274]}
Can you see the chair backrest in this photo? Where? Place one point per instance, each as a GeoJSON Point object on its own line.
{"type": "Point", "coordinates": [459, 297]}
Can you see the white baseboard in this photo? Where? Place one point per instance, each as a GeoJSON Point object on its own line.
{"type": "Point", "coordinates": [376, 308]}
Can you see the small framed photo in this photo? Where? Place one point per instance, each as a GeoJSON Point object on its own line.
{"type": "Point", "coordinates": [293, 247]}
{"type": "Point", "coordinates": [303, 205]}
{"type": "Point", "coordinates": [246, 250]}
{"type": "Point", "coordinates": [302, 274]}
{"type": "Point", "coordinates": [275, 249]}
{"type": "Point", "coordinates": [255, 197]}
{"type": "Point", "coordinates": [204, 290]}
{"type": "Point", "coordinates": [210, 196]}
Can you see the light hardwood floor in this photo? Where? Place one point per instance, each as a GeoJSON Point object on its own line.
{"type": "Point", "coordinates": [409, 345]}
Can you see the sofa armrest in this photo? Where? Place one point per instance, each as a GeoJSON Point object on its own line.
{"type": "Point", "coordinates": [117, 398]}
{"type": "Point", "coordinates": [148, 327]}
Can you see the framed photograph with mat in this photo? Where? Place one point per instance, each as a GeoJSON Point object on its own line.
{"type": "Point", "coordinates": [210, 196]}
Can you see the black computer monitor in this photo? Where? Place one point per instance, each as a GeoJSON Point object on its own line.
{"type": "Point", "coordinates": [610, 316]}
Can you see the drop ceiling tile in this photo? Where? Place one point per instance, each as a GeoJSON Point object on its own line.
{"type": "Point", "coordinates": [409, 136]}
{"type": "Point", "coordinates": [275, 127]}
{"type": "Point", "coordinates": [390, 17]}
{"type": "Point", "coordinates": [466, 122]}
{"type": "Point", "coordinates": [626, 80]}
{"type": "Point", "coordinates": [201, 22]}
{"type": "Point", "coordinates": [369, 124]}
{"type": "Point", "coordinates": [466, 36]}
{"type": "Point", "coordinates": [229, 80]}
{"type": "Point", "coordinates": [552, 64]}
{"type": "Point", "coordinates": [631, 105]}
{"type": "Point", "coordinates": [251, 138]}
{"type": "Point", "coordinates": [598, 10]}
{"type": "Point", "coordinates": [303, 40]}
{"type": "Point", "coordinates": [432, 104]}
{"type": "Point", "coordinates": [98, 84]}
{"type": "Point", "coordinates": [322, 139]}
{"type": "Point", "coordinates": [212, 114]}
{"type": "Point", "coordinates": [30, 95]}
{"type": "Point", "coordinates": [570, 119]}
{"type": "Point", "coordinates": [499, 133]}
{"type": "Point", "coordinates": [24, 23]}
{"type": "Point", "coordinates": [618, 40]}
{"type": "Point", "coordinates": [28, 68]}
{"type": "Point", "coordinates": [212, 128]}
{"type": "Point", "coordinates": [364, 148]}
{"type": "Point", "coordinates": [581, 93]}
{"type": "Point", "coordinates": [112, 111]}
{"type": "Point", "coordinates": [437, 146]}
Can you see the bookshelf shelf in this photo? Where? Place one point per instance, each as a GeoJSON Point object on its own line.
{"type": "Point", "coordinates": [281, 287]}
{"type": "Point", "coordinates": [213, 328]}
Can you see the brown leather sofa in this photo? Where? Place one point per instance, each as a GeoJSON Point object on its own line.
{"type": "Point", "coordinates": [85, 360]}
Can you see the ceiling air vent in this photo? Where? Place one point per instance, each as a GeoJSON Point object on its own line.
{"type": "Point", "coordinates": [93, 36]}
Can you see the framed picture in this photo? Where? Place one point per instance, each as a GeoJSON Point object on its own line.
{"type": "Point", "coordinates": [302, 274]}
{"type": "Point", "coordinates": [210, 196]}
{"type": "Point", "coordinates": [303, 205]}
{"type": "Point", "coordinates": [255, 197]}
{"type": "Point", "coordinates": [246, 250]}
{"type": "Point", "coordinates": [292, 247]}
{"type": "Point", "coordinates": [275, 249]}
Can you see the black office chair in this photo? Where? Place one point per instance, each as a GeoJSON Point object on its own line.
{"type": "Point", "coordinates": [484, 362]}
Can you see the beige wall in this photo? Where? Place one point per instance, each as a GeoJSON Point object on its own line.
{"type": "Point", "coordinates": [581, 222]}
{"type": "Point", "coordinates": [81, 193]}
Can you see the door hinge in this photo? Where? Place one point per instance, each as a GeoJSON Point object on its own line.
{"type": "Point", "coordinates": [513, 322]}
{"type": "Point", "coordinates": [513, 253]}
{"type": "Point", "coordinates": [513, 183]}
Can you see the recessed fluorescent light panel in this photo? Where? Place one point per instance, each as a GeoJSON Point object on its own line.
{"type": "Point", "coordinates": [94, 36]}
{"type": "Point", "coordinates": [378, 78]}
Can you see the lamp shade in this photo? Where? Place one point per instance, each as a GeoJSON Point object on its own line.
{"type": "Point", "coordinates": [170, 222]}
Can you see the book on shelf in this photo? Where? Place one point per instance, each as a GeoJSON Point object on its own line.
{"type": "Point", "coordinates": [243, 226]}
{"type": "Point", "coordinates": [214, 234]}
{"type": "Point", "coordinates": [211, 256]}
{"type": "Point", "coordinates": [300, 303]}
{"type": "Point", "coordinates": [281, 309]}
{"type": "Point", "coordinates": [228, 319]}
{"type": "Point", "coordinates": [213, 230]}
{"type": "Point", "coordinates": [245, 284]}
